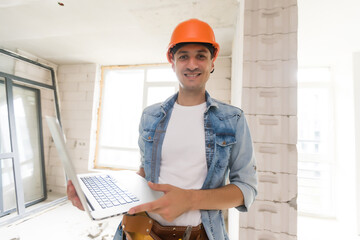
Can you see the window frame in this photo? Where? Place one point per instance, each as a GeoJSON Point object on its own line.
{"type": "Point", "coordinates": [11, 80]}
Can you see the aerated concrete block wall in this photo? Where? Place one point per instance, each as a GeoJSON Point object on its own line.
{"type": "Point", "coordinates": [76, 84]}
{"type": "Point", "coordinates": [270, 102]}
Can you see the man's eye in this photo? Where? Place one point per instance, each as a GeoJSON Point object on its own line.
{"type": "Point", "coordinates": [182, 57]}
{"type": "Point", "coordinates": [201, 56]}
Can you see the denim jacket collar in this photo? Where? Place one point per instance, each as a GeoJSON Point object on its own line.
{"type": "Point", "coordinates": [169, 103]}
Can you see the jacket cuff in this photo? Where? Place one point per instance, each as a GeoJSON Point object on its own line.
{"type": "Point", "coordinates": [249, 196]}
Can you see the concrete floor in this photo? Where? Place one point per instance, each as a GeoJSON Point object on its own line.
{"type": "Point", "coordinates": [60, 222]}
{"type": "Point", "coordinates": [64, 221]}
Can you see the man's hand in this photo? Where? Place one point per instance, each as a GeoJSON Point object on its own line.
{"type": "Point", "coordinates": [73, 197]}
{"type": "Point", "coordinates": [175, 202]}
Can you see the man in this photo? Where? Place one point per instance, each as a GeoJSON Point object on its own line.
{"type": "Point", "coordinates": [190, 144]}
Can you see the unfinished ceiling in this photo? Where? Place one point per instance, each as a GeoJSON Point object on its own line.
{"type": "Point", "coordinates": [110, 31]}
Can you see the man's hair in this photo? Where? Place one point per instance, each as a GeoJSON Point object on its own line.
{"type": "Point", "coordinates": [209, 46]}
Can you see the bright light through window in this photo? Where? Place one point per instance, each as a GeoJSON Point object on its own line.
{"type": "Point", "coordinates": [125, 93]}
{"type": "Point", "coordinates": [315, 142]}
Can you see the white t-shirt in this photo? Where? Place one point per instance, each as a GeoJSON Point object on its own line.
{"type": "Point", "coordinates": [183, 158]}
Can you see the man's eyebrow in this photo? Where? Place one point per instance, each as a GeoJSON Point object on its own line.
{"type": "Point", "coordinates": [199, 51]}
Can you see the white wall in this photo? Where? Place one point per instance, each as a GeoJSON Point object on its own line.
{"type": "Point", "coordinates": [77, 88]}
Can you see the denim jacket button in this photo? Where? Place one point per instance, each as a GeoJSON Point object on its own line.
{"type": "Point", "coordinates": [149, 138]}
{"type": "Point", "coordinates": [224, 143]}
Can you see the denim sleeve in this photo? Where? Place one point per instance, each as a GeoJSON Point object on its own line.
{"type": "Point", "coordinates": [242, 164]}
{"type": "Point", "coordinates": [141, 142]}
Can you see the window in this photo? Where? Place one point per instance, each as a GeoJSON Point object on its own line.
{"type": "Point", "coordinates": [315, 141]}
{"type": "Point", "coordinates": [125, 92]}
{"type": "Point", "coordinates": [25, 112]}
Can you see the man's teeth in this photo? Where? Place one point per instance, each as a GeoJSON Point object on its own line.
{"type": "Point", "coordinates": [192, 75]}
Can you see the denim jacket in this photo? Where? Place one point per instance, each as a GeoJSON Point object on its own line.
{"type": "Point", "coordinates": [229, 153]}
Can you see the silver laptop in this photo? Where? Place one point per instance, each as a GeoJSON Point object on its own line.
{"type": "Point", "coordinates": [103, 195]}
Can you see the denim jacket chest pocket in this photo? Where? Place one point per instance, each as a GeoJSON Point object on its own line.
{"type": "Point", "coordinates": [147, 136]}
{"type": "Point", "coordinates": [224, 144]}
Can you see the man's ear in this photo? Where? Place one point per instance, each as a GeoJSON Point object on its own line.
{"type": "Point", "coordinates": [212, 66]}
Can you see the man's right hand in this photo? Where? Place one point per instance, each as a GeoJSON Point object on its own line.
{"type": "Point", "coordinates": [73, 197]}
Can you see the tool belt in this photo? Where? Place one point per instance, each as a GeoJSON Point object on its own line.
{"type": "Point", "coordinates": [142, 227]}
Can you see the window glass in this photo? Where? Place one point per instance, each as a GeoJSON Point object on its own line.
{"type": "Point", "coordinates": [125, 92]}
{"type": "Point", "coordinates": [122, 101]}
{"type": "Point", "coordinates": [7, 186]}
{"type": "Point", "coordinates": [161, 75]}
{"type": "Point", "coordinates": [315, 142]}
{"type": "Point", "coordinates": [28, 141]}
{"type": "Point", "coordinates": [159, 94]}
{"type": "Point", "coordinates": [314, 75]}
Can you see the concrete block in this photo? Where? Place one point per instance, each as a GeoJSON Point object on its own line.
{"type": "Point", "coordinates": [224, 72]}
{"type": "Point", "coordinates": [270, 216]}
{"type": "Point", "coordinates": [65, 86]}
{"type": "Point", "coordinates": [271, 21]}
{"type": "Point", "coordinates": [50, 180]}
{"type": "Point", "coordinates": [86, 86]}
{"type": "Point", "coordinates": [89, 68]}
{"type": "Point", "coordinates": [60, 77]}
{"type": "Point", "coordinates": [277, 158]}
{"type": "Point", "coordinates": [219, 83]}
{"type": "Point", "coordinates": [48, 106]}
{"type": "Point", "coordinates": [77, 114]}
{"type": "Point", "coordinates": [76, 123]}
{"type": "Point", "coordinates": [221, 95]}
{"type": "Point", "coordinates": [268, 4]}
{"type": "Point", "coordinates": [57, 171]}
{"type": "Point", "coordinates": [270, 73]}
{"type": "Point", "coordinates": [277, 187]}
{"type": "Point", "coordinates": [91, 77]}
{"type": "Point", "coordinates": [73, 96]}
{"type": "Point", "coordinates": [47, 94]}
{"type": "Point", "coordinates": [76, 105]}
{"type": "Point", "coordinates": [89, 96]}
{"type": "Point", "coordinates": [273, 129]}
{"type": "Point", "coordinates": [252, 234]}
{"type": "Point", "coordinates": [271, 101]}
{"type": "Point", "coordinates": [70, 68]}
{"type": "Point", "coordinates": [223, 62]}
{"type": "Point", "coordinates": [270, 47]}
{"type": "Point", "coordinates": [78, 132]}
{"type": "Point", "coordinates": [58, 189]}
{"type": "Point", "coordinates": [76, 77]}
{"type": "Point", "coordinates": [60, 181]}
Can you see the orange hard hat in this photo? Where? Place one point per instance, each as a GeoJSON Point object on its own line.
{"type": "Point", "coordinates": [193, 31]}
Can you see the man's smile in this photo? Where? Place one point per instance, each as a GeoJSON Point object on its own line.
{"type": "Point", "coordinates": [192, 74]}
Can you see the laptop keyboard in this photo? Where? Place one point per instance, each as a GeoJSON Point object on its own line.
{"type": "Point", "coordinates": [106, 192]}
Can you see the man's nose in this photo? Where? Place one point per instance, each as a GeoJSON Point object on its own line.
{"type": "Point", "coordinates": [192, 64]}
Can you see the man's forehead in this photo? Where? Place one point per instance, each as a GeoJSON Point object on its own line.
{"type": "Point", "coordinates": [193, 47]}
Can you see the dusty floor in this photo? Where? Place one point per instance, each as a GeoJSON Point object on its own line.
{"type": "Point", "coordinates": [60, 222]}
{"type": "Point", "coordinates": [64, 221]}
